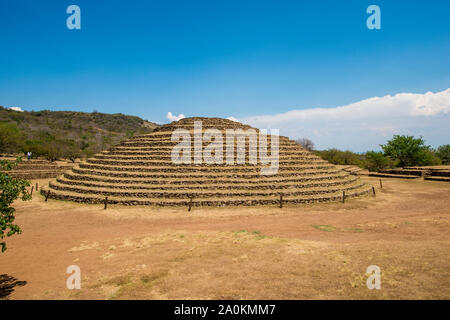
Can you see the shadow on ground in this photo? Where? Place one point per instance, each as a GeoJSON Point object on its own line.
{"type": "Point", "coordinates": [7, 285]}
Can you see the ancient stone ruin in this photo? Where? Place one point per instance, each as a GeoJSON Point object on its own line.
{"type": "Point", "coordinates": [37, 168]}
{"type": "Point", "coordinates": [141, 171]}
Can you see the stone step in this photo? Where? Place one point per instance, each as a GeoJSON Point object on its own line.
{"type": "Point", "coordinates": [200, 181]}
{"type": "Point", "coordinates": [168, 157]}
{"type": "Point", "coordinates": [34, 174]}
{"type": "Point", "coordinates": [34, 161]}
{"type": "Point", "coordinates": [387, 175]}
{"type": "Point", "coordinates": [171, 164]}
{"type": "Point", "coordinates": [168, 147]}
{"type": "Point", "coordinates": [432, 168]}
{"type": "Point", "coordinates": [438, 178]}
{"type": "Point", "coordinates": [168, 152]}
{"type": "Point", "coordinates": [201, 193]}
{"type": "Point", "coordinates": [26, 166]}
{"type": "Point", "coordinates": [402, 172]}
{"type": "Point", "coordinates": [236, 201]}
{"type": "Point", "coordinates": [209, 186]}
{"type": "Point", "coordinates": [214, 175]}
{"type": "Point", "coordinates": [168, 138]}
{"type": "Point", "coordinates": [221, 127]}
{"type": "Point", "coordinates": [201, 168]}
{"type": "Point", "coordinates": [176, 140]}
{"type": "Point", "coordinates": [440, 173]}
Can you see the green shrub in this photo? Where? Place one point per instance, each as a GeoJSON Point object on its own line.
{"type": "Point", "coordinates": [443, 152]}
{"type": "Point", "coordinates": [429, 158]}
{"type": "Point", "coordinates": [11, 189]}
{"type": "Point", "coordinates": [336, 156]}
{"type": "Point", "coordinates": [376, 161]}
{"type": "Point", "coordinates": [10, 138]}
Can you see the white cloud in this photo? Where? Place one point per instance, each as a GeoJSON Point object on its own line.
{"type": "Point", "coordinates": [233, 119]}
{"type": "Point", "coordinates": [365, 124]}
{"type": "Point", "coordinates": [19, 109]}
{"type": "Point", "coordinates": [172, 117]}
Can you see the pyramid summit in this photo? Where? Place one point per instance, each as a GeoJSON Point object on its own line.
{"type": "Point", "coordinates": [213, 161]}
{"type": "Point", "coordinates": [241, 146]}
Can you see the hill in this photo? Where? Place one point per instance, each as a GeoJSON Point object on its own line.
{"type": "Point", "coordinates": [66, 134]}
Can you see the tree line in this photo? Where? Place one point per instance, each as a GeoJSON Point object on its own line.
{"type": "Point", "coordinates": [400, 151]}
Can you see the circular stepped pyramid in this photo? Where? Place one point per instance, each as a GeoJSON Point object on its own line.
{"type": "Point", "coordinates": [36, 169]}
{"type": "Point", "coordinates": [140, 171]}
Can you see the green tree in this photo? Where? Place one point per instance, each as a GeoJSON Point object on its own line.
{"type": "Point", "coordinates": [52, 150]}
{"type": "Point", "coordinates": [443, 152]}
{"type": "Point", "coordinates": [47, 145]}
{"type": "Point", "coordinates": [429, 158]}
{"type": "Point", "coordinates": [11, 189]}
{"type": "Point", "coordinates": [35, 146]}
{"type": "Point", "coordinates": [376, 161]}
{"type": "Point", "coordinates": [10, 137]}
{"type": "Point", "coordinates": [70, 150]}
{"type": "Point", "coordinates": [409, 151]}
{"type": "Point", "coordinates": [336, 156]}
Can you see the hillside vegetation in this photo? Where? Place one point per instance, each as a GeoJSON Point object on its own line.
{"type": "Point", "coordinates": [65, 134]}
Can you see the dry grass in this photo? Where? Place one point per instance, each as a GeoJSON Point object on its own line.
{"type": "Point", "coordinates": [317, 251]}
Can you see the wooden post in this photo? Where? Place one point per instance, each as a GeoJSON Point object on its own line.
{"type": "Point", "coordinates": [281, 200]}
{"type": "Point", "coordinates": [32, 188]}
{"type": "Point", "coordinates": [37, 189]}
{"type": "Point", "coordinates": [106, 203]}
{"type": "Point", "coordinates": [190, 203]}
{"type": "Point", "coordinates": [46, 197]}
{"type": "Point", "coordinates": [381, 184]}
{"type": "Point", "coordinates": [343, 196]}
{"type": "Point", "coordinates": [373, 190]}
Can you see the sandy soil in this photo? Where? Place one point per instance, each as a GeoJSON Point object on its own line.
{"type": "Point", "coordinates": [298, 252]}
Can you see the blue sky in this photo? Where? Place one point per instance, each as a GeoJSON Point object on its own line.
{"type": "Point", "coordinates": [219, 58]}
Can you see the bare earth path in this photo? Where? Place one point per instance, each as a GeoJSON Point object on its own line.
{"type": "Point", "coordinates": [297, 252]}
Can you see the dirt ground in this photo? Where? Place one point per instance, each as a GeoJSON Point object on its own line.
{"type": "Point", "coordinates": [319, 251]}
